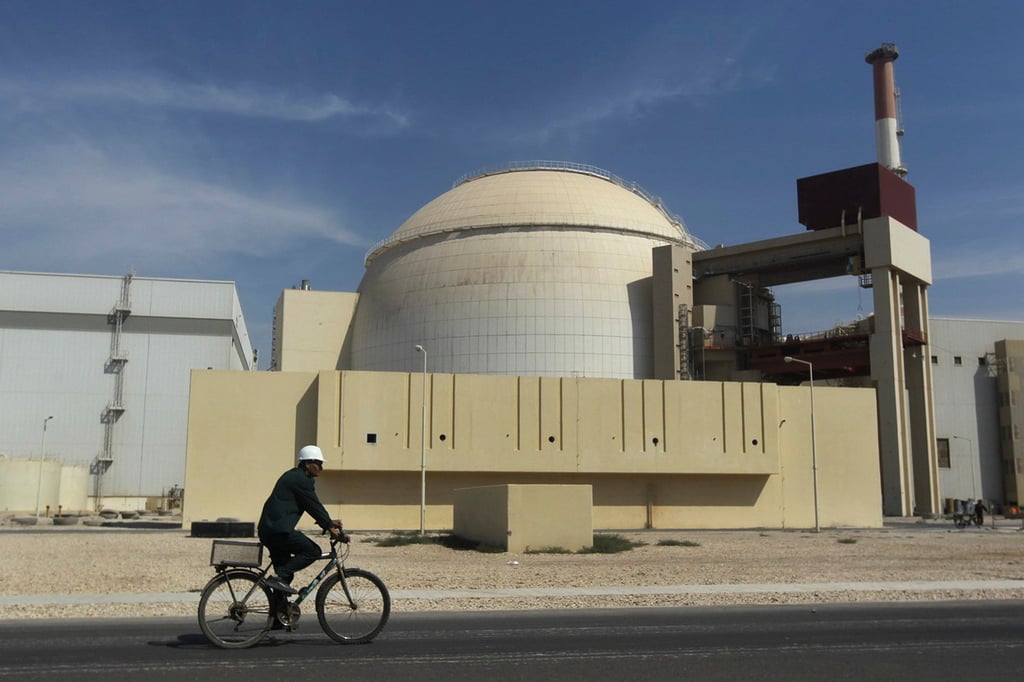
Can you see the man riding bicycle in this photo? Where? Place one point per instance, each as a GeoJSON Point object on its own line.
{"type": "Point", "coordinates": [293, 494]}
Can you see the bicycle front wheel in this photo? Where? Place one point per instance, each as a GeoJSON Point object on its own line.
{"type": "Point", "coordinates": [355, 609]}
{"type": "Point", "coordinates": [234, 610]}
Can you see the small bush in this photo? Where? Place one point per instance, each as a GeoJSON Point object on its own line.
{"type": "Point", "coordinates": [678, 543]}
{"type": "Point", "coordinates": [610, 544]}
{"type": "Point", "coordinates": [546, 550]}
{"type": "Point", "coordinates": [401, 539]}
{"type": "Point", "coordinates": [449, 540]}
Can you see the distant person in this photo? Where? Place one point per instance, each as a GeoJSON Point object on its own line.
{"type": "Point", "coordinates": [293, 494]}
{"type": "Point", "coordinates": [979, 513]}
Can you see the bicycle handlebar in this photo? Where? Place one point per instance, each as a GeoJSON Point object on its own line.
{"type": "Point", "coordinates": [344, 538]}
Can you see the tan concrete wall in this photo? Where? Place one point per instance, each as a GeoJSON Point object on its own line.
{"type": "Point", "coordinates": [890, 243]}
{"type": "Point", "coordinates": [667, 454]}
{"type": "Point", "coordinates": [244, 430]}
{"type": "Point", "coordinates": [482, 514]}
{"type": "Point", "coordinates": [524, 517]}
{"type": "Point", "coordinates": [311, 328]}
{"type": "Point", "coordinates": [671, 287]}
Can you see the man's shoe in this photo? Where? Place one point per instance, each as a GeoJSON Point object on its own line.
{"type": "Point", "coordinates": [276, 583]}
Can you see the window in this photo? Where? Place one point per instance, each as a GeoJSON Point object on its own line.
{"type": "Point", "coordinates": [957, 360]}
{"type": "Point", "coordinates": [981, 362]}
{"type": "Point", "coordinates": [942, 447]}
{"type": "Point", "coordinates": [935, 359]}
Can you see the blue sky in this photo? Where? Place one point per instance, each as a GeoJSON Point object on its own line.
{"type": "Point", "coordinates": [271, 142]}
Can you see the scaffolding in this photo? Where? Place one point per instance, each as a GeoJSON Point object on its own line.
{"type": "Point", "coordinates": [683, 325]}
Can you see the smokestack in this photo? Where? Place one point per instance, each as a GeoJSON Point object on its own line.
{"type": "Point", "coordinates": [886, 125]}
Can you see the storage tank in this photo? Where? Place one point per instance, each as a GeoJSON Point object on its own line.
{"type": "Point", "coordinates": [74, 489]}
{"type": "Point", "coordinates": [20, 483]}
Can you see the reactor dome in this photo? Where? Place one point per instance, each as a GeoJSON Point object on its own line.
{"type": "Point", "coordinates": [533, 269]}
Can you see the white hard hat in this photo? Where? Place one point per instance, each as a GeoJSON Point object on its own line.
{"type": "Point", "coordinates": [311, 453]}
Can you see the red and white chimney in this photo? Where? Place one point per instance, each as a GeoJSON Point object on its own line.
{"type": "Point", "coordinates": [886, 124]}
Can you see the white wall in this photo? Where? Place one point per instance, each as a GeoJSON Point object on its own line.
{"type": "Point", "coordinates": [966, 405]}
{"type": "Point", "coordinates": [55, 342]}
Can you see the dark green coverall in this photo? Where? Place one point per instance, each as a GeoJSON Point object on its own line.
{"type": "Point", "coordinates": [290, 550]}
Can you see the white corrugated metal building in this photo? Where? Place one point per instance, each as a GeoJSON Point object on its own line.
{"type": "Point", "coordinates": [965, 368]}
{"type": "Point", "coordinates": [109, 359]}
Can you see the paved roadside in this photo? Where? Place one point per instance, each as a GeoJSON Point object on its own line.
{"type": "Point", "coordinates": [944, 586]}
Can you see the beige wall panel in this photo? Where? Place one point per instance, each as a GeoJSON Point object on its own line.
{"type": "Point", "coordinates": [632, 405]}
{"type": "Point", "coordinates": [250, 424]}
{"type": "Point", "coordinates": [485, 427]}
{"type": "Point", "coordinates": [551, 436]}
{"type": "Point", "coordinates": [693, 425]}
{"type": "Point", "coordinates": [541, 516]}
{"type": "Point", "coordinates": [440, 411]}
{"type": "Point", "coordinates": [378, 406]}
{"type": "Point", "coordinates": [601, 401]}
{"type": "Point", "coordinates": [654, 417]}
{"type": "Point", "coordinates": [312, 326]}
{"type": "Point", "coordinates": [244, 430]}
{"type": "Point", "coordinates": [523, 517]}
{"type": "Point", "coordinates": [528, 414]}
{"type": "Point", "coordinates": [677, 501]}
{"type": "Point", "coordinates": [482, 514]}
{"type": "Point", "coordinates": [753, 419]}
{"type": "Point", "coordinates": [849, 484]}
{"type": "Point", "coordinates": [890, 243]}
{"type": "Point", "coordinates": [570, 420]}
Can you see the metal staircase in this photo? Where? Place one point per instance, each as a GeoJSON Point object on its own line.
{"type": "Point", "coordinates": [116, 363]}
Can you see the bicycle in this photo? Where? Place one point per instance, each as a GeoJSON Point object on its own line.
{"type": "Point", "coordinates": [238, 608]}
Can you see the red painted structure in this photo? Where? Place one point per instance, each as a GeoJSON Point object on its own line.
{"type": "Point", "coordinates": [834, 356]}
{"type": "Point", "coordinates": [870, 191]}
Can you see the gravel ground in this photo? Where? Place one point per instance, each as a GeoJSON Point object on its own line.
{"type": "Point", "coordinates": [89, 560]}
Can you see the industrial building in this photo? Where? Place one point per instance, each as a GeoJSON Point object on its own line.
{"type": "Point", "coordinates": [551, 323]}
{"type": "Point", "coordinates": [94, 378]}
{"type": "Point", "coordinates": [555, 324]}
{"type": "Point", "coordinates": [536, 322]}
{"type": "Point", "coordinates": [977, 368]}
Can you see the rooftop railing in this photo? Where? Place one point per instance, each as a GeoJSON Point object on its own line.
{"type": "Point", "coordinates": [690, 240]}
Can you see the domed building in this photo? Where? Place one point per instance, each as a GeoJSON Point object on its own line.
{"type": "Point", "coordinates": [535, 269]}
{"type": "Point", "coordinates": [577, 341]}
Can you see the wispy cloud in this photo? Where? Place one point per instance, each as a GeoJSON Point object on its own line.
{"type": "Point", "coordinates": [73, 205]}
{"type": "Point", "coordinates": [671, 65]}
{"type": "Point", "coordinates": [237, 100]}
{"type": "Point", "coordinates": [969, 265]}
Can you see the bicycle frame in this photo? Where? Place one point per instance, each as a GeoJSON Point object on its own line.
{"type": "Point", "coordinates": [334, 561]}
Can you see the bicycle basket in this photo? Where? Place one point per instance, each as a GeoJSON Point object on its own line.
{"type": "Point", "coordinates": [233, 553]}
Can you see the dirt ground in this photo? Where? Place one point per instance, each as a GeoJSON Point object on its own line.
{"type": "Point", "coordinates": [103, 561]}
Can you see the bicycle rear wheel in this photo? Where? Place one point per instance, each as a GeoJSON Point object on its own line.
{"type": "Point", "coordinates": [355, 610]}
{"type": "Point", "coordinates": [234, 610]}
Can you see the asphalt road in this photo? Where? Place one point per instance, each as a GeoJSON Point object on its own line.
{"type": "Point", "coordinates": [909, 641]}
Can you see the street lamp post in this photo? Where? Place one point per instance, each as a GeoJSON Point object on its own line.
{"type": "Point", "coordinates": [814, 442]}
{"type": "Point", "coordinates": [42, 455]}
{"type": "Point", "coordinates": [423, 441]}
{"type": "Point", "coordinates": [970, 462]}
